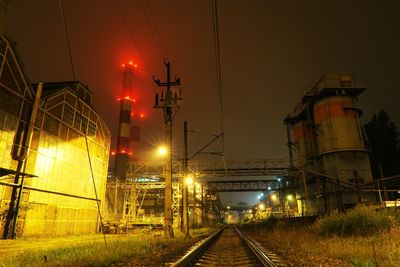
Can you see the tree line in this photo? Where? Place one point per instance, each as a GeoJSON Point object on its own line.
{"type": "Point", "coordinates": [383, 142]}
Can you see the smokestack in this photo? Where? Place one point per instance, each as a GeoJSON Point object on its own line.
{"type": "Point", "coordinates": [124, 130]}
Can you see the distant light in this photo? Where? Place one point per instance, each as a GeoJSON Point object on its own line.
{"type": "Point", "coordinates": [261, 206]}
{"type": "Point", "coordinates": [262, 194]}
{"type": "Point", "coordinates": [279, 179]}
{"type": "Point", "coordinates": [141, 115]}
{"type": "Point", "coordinates": [258, 196]}
{"type": "Point", "coordinates": [130, 153]}
{"type": "Point", "coordinates": [274, 197]}
{"type": "Point", "coordinates": [228, 207]}
{"type": "Point", "coordinates": [123, 65]}
{"type": "Point", "coordinates": [289, 197]}
{"type": "Point", "coordinates": [135, 65]}
{"type": "Point", "coordinates": [269, 188]}
{"type": "Point", "coordinates": [123, 151]}
{"type": "Point", "coordinates": [113, 153]}
{"type": "Point", "coordinates": [130, 62]}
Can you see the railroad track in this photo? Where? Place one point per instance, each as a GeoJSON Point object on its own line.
{"type": "Point", "coordinates": [229, 247]}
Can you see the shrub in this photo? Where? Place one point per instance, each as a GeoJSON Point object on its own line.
{"type": "Point", "coordinates": [359, 221]}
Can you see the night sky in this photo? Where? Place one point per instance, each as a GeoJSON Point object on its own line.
{"type": "Point", "coordinates": [271, 52]}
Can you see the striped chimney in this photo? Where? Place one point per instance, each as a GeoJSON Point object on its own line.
{"type": "Point", "coordinates": [124, 130]}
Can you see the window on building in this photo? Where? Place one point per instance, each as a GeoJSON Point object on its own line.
{"type": "Point", "coordinates": [68, 116]}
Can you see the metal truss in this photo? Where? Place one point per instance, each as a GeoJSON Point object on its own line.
{"type": "Point", "coordinates": [134, 193]}
{"type": "Point", "coordinates": [264, 167]}
{"type": "Point", "coordinates": [241, 186]}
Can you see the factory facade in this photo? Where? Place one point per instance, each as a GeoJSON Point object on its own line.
{"type": "Point", "coordinates": [53, 181]}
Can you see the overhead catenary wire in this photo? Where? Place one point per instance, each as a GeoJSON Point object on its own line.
{"type": "Point", "coordinates": [85, 130]}
{"type": "Point", "coordinates": [214, 8]}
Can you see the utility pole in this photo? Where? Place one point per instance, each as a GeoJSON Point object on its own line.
{"type": "Point", "coordinates": [168, 102]}
{"type": "Point", "coordinates": [185, 185]}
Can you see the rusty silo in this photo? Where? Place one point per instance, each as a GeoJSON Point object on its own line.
{"type": "Point", "coordinates": [327, 136]}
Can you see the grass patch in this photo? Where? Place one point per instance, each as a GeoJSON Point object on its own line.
{"type": "Point", "coordinates": [95, 253]}
{"type": "Point", "coordinates": [371, 241]}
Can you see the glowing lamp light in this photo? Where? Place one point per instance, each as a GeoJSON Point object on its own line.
{"type": "Point", "coordinates": [289, 197]}
{"type": "Point", "coordinates": [130, 153]}
{"type": "Point", "coordinates": [141, 115]}
{"type": "Point", "coordinates": [123, 151]}
{"type": "Point", "coordinates": [228, 207]}
{"type": "Point", "coordinates": [274, 197]}
{"type": "Point", "coordinates": [261, 206]}
{"type": "Point", "coordinates": [189, 180]}
{"type": "Point", "coordinates": [113, 153]}
{"type": "Point", "coordinates": [130, 62]}
{"type": "Point", "coordinates": [162, 150]}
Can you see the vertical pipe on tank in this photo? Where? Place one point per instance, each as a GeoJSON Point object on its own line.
{"type": "Point", "coordinates": [289, 143]}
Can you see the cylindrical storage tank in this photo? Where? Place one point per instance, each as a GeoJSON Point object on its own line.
{"type": "Point", "coordinates": [337, 124]}
{"type": "Point", "coordinates": [303, 139]}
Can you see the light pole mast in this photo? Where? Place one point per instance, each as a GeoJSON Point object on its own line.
{"type": "Point", "coordinates": [168, 102]}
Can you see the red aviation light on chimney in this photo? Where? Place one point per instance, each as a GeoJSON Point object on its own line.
{"type": "Point", "coordinates": [130, 63]}
{"type": "Point", "coordinates": [129, 98]}
{"type": "Point", "coordinates": [126, 98]}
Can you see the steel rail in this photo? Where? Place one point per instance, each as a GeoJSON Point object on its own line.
{"type": "Point", "coordinates": [255, 248]}
{"type": "Point", "coordinates": [198, 251]}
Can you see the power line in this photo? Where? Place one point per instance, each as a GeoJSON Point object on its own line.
{"type": "Point", "coordinates": [157, 29]}
{"type": "Point", "coordinates": [132, 37]}
{"type": "Point", "coordinates": [68, 42]}
{"type": "Point", "coordinates": [148, 19]}
{"type": "Point", "coordinates": [214, 9]}
{"type": "Point", "coordinates": [85, 130]}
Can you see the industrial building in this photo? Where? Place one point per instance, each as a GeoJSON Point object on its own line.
{"type": "Point", "coordinates": [326, 143]}
{"type": "Point", "coordinates": [51, 181]}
